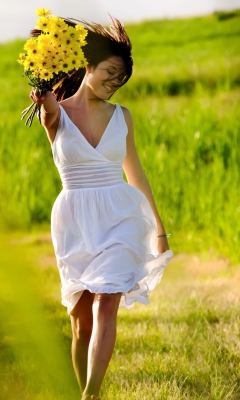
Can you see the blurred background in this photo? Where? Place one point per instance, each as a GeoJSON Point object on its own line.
{"type": "Point", "coordinates": [16, 18]}
{"type": "Point", "coordinates": [184, 96]}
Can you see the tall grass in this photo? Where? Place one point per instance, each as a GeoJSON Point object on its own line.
{"type": "Point", "coordinates": [184, 97]}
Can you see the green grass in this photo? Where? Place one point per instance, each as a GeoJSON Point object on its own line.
{"type": "Point", "coordinates": [184, 345]}
{"type": "Point", "coordinates": [185, 56]}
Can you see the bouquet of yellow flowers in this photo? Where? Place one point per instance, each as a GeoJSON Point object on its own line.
{"type": "Point", "coordinates": [50, 56]}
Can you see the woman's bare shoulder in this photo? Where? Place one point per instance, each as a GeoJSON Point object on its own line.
{"type": "Point", "coordinates": [125, 110]}
{"type": "Point", "coordinates": [127, 115]}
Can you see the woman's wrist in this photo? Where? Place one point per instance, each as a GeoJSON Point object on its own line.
{"type": "Point", "coordinates": [164, 235]}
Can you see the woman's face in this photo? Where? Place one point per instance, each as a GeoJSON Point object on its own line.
{"type": "Point", "coordinates": [107, 77]}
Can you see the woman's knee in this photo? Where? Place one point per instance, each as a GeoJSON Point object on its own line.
{"type": "Point", "coordinates": [81, 328]}
{"type": "Point", "coordinates": [81, 316]}
{"type": "Point", "coordinates": [105, 306]}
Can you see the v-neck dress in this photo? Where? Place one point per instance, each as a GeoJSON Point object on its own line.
{"type": "Point", "coordinates": [103, 229]}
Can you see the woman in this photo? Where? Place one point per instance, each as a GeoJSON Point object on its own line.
{"type": "Point", "coordinates": [110, 243]}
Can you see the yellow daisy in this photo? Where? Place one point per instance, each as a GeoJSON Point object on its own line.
{"type": "Point", "coordinates": [45, 63]}
{"type": "Point", "coordinates": [22, 58]}
{"type": "Point", "coordinates": [58, 23]}
{"type": "Point", "coordinates": [77, 52]}
{"type": "Point", "coordinates": [44, 24]}
{"type": "Point", "coordinates": [56, 66]}
{"type": "Point", "coordinates": [66, 66]}
{"type": "Point", "coordinates": [68, 42]}
{"type": "Point", "coordinates": [72, 33]}
{"type": "Point", "coordinates": [81, 42]}
{"type": "Point", "coordinates": [43, 12]}
{"type": "Point", "coordinates": [30, 44]}
{"type": "Point", "coordinates": [56, 38]}
{"type": "Point", "coordinates": [82, 63]}
{"type": "Point", "coordinates": [80, 29]}
{"type": "Point", "coordinates": [44, 44]}
{"type": "Point", "coordinates": [45, 74]}
{"type": "Point", "coordinates": [34, 52]}
{"type": "Point", "coordinates": [35, 73]}
{"type": "Point", "coordinates": [29, 64]}
{"type": "Point", "coordinates": [73, 61]}
{"type": "Point", "coordinates": [78, 55]}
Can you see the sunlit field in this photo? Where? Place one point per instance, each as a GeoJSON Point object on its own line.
{"type": "Point", "coordinates": [185, 100]}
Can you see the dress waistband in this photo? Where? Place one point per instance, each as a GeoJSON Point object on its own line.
{"type": "Point", "coordinates": [79, 176]}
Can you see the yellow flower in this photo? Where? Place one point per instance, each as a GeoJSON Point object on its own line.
{"type": "Point", "coordinates": [80, 28]}
{"type": "Point", "coordinates": [45, 63]}
{"type": "Point", "coordinates": [44, 24]}
{"type": "Point", "coordinates": [72, 33]}
{"type": "Point", "coordinates": [30, 44]}
{"type": "Point", "coordinates": [45, 74]}
{"type": "Point", "coordinates": [75, 45]}
{"type": "Point", "coordinates": [29, 64]}
{"type": "Point", "coordinates": [44, 44]}
{"type": "Point", "coordinates": [46, 51]}
{"type": "Point", "coordinates": [79, 56]}
{"type": "Point", "coordinates": [43, 12]}
{"type": "Point", "coordinates": [81, 42]}
{"type": "Point", "coordinates": [56, 66]}
{"type": "Point", "coordinates": [73, 62]}
{"type": "Point", "coordinates": [58, 23]}
{"type": "Point", "coordinates": [82, 31]}
{"type": "Point", "coordinates": [34, 51]}
{"type": "Point", "coordinates": [22, 58]}
{"type": "Point", "coordinates": [56, 38]}
{"type": "Point", "coordinates": [82, 63]}
{"type": "Point", "coordinates": [66, 66]}
{"type": "Point", "coordinates": [77, 52]}
{"type": "Point", "coordinates": [35, 73]}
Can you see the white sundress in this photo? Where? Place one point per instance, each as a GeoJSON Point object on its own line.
{"type": "Point", "coordinates": [103, 229]}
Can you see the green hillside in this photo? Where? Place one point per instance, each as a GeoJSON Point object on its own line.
{"type": "Point", "coordinates": [184, 96]}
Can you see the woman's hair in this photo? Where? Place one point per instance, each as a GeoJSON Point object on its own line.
{"type": "Point", "coordinates": [102, 43]}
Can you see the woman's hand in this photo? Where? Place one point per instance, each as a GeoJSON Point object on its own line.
{"type": "Point", "coordinates": [37, 98]}
{"type": "Point", "coordinates": [162, 244]}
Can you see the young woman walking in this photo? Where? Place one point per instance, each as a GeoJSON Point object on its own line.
{"type": "Point", "coordinates": [111, 246]}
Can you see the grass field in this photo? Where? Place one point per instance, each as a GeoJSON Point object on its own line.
{"type": "Point", "coordinates": [184, 345]}
{"type": "Point", "coordinates": [185, 100]}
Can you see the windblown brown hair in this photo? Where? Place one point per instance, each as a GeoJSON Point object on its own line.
{"type": "Point", "coordinates": [102, 43]}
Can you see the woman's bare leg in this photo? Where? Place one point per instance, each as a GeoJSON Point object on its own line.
{"type": "Point", "coordinates": [105, 308]}
{"type": "Point", "coordinates": [82, 323]}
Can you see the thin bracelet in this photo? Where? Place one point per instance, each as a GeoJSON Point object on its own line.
{"type": "Point", "coordinates": [165, 235]}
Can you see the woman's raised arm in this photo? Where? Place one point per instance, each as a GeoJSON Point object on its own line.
{"type": "Point", "coordinates": [50, 112]}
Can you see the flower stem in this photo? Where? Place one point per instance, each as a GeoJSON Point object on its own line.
{"type": "Point", "coordinates": [33, 109]}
